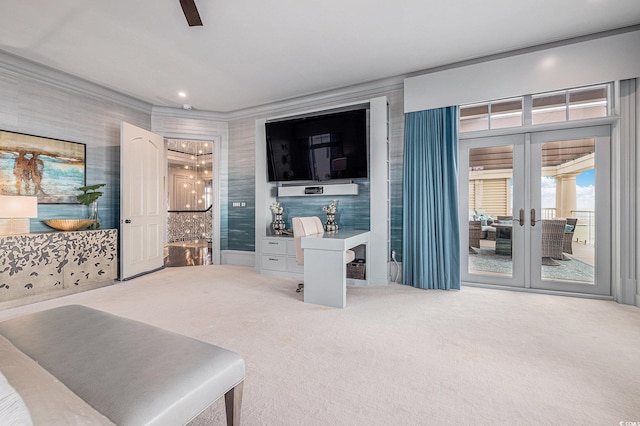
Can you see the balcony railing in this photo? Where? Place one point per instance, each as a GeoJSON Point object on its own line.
{"type": "Point", "coordinates": [585, 228]}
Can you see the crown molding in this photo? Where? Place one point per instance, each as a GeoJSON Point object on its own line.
{"type": "Point", "coordinates": [326, 98]}
{"type": "Point", "coordinates": [60, 79]}
{"type": "Point", "coordinates": [160, 111]}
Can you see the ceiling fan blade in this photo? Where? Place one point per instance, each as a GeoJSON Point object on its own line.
{"type": "Point", "coordinates": [191, 13]}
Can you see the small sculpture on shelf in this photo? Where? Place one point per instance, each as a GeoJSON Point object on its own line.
{"type": "Point", "coordinates": [330, 210]}
{"type": "Point", "coordinates": [278, 224]}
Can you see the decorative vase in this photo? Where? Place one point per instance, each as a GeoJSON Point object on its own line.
{"type": "Point", "coordinates": [95, 215]}
{"type": "Point", "coordinates": [278, 224]}
{"type": "Point", "coordinates": [331, 224]}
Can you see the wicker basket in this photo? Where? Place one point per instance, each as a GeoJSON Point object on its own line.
{"type": "Point", "coordinates": [355, 270]}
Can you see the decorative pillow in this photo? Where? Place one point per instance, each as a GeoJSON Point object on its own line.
{"type": "Point", "coordinates": [13, 411]}
{"type": "Point", "coordinates": [485, 220]}
{"type": "Point", "coordinates": [568, 228]}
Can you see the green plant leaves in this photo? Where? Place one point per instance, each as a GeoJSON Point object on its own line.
{"type": "Point", "coordinates": [89, 193]}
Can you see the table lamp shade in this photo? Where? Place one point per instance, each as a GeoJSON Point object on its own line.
{"type": "Point", "coordinates": [16, 206]}
{"type": "Point", "coordinates": [15, 211]}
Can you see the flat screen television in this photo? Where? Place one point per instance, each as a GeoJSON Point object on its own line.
{"type": "Point", "coordinates": [318, 148]}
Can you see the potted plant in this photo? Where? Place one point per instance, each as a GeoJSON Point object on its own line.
{"type": "Point", "coordinates": [89, 197]}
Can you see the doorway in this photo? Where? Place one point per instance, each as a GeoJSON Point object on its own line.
{"type": "Point", "coordinates": [534, 210]}
{"type": "Point", "coordinates": [190, 203]}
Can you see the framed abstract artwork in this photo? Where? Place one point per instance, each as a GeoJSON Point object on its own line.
{"type": "Point", "coordinates": [50, 169]}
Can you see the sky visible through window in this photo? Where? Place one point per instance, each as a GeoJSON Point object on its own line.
{"type": "Point", "coordinates": [585, 191]}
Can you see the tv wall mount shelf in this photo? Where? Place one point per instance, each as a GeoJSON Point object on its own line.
{"type": "Point", "coordinates": [312, 190]}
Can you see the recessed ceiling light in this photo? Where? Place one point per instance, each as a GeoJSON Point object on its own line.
{"type": "Point", "coordinates": [182, 94]}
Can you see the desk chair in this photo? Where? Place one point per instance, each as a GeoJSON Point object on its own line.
{"type": "Point", "coordinates": [305, 227]}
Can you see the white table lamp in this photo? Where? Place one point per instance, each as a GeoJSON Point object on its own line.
{"type": "Point", "coordinates": [15, 211]}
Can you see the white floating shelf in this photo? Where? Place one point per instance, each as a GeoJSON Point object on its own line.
{"type": "Point", "coordinates": [314, 190]}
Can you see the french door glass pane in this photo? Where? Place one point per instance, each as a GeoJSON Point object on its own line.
{"type": "Point", "coordinates": [568, 211]}
{"type": "Point", "coordinates": [490, 195]}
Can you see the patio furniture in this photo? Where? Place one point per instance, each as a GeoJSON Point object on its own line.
{"type": "Point", "coordinates": [503, 238]}
{"type": "Point", "coordinates": [552, 240]}
{"type": "Point", "coordinates": [567, 245]}
{"type": "Point", "coordinates": [475, 229]}
{"type": "Point", "coordinates": [491, 232]}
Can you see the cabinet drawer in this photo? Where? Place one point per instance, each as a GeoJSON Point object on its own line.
{"type": "Point", "coordinates": [274, 263]}
{"type": "Point", "coordinates": [270, 245]}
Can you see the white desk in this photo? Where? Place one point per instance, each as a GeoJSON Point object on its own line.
{"type": "Point", "coordinates": [325, 268]}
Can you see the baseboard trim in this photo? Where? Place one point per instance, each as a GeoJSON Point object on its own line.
{"type": "Point", "coordinates": [537, 291]}
{"type": "Point", "coordinates": [238, 258]}
{"type": "Point", "coordinates": [54, 294]}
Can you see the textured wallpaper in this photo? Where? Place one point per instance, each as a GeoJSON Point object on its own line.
{"type": "Point", "coordinates": [38, 108]}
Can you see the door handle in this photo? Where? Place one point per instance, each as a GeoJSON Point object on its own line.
{"type": "Point", "coordinates": [127, 221]}
{"type": "Point", "coordinates": [533, 217]}
{"type": "Point", "coordinates": [521, 217]}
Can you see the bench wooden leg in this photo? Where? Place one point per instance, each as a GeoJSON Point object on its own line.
{"type": "Point", "coordinates": [233, 401]}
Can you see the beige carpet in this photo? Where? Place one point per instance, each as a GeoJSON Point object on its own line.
{"type": "Point", "coordinates": [396, 355]}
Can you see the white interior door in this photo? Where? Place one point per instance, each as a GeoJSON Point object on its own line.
{"type": "Point", "coordinates": [143, 215]}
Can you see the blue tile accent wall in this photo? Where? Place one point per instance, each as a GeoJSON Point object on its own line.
{"type": "Point", "coordinates": [241, 186]}
{"type": "Point", "coordinates": [352, 211]}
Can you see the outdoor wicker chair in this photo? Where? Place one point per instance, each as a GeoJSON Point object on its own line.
{"type": "Point", "coordinates": [567, 245]}
{"type": "Point", "coordinates": [475, 229]}
{"type": "Point", "coordinates": [552, 240]}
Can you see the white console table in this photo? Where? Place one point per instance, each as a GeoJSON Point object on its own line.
{"type": "Point", "coordinates": [325, 267]}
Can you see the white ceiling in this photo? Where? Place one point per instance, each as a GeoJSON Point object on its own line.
{"type": "Point", "coordinates": [254, 52]}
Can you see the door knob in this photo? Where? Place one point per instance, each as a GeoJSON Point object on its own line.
{"type": "Point", "coordinates": [127, 221]}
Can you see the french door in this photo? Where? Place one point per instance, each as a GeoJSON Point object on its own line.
{"type": "Point", "coordinates": [534, 210]}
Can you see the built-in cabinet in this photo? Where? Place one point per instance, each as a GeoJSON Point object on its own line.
{"type": "Point", "coordinates": [278, 257]}
{"type": "Point", "coordinates": [271, 258]}
{"type": "Point", "coordinates": [40, 266]}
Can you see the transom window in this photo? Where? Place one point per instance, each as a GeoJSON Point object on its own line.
{"type": "Point", "coordinates": [491, 115]}
{"type": "Point", "coordinates": [551, 107]}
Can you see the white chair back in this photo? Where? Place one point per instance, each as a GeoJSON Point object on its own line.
{"type": "Point", "coordinates": [304, 227]}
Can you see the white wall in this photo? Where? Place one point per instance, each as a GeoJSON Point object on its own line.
{"type": "Point", "coordinates": [606, 59]}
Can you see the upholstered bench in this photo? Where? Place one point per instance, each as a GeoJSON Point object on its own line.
{"type": "Point", "coordinates": [129, 372]}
